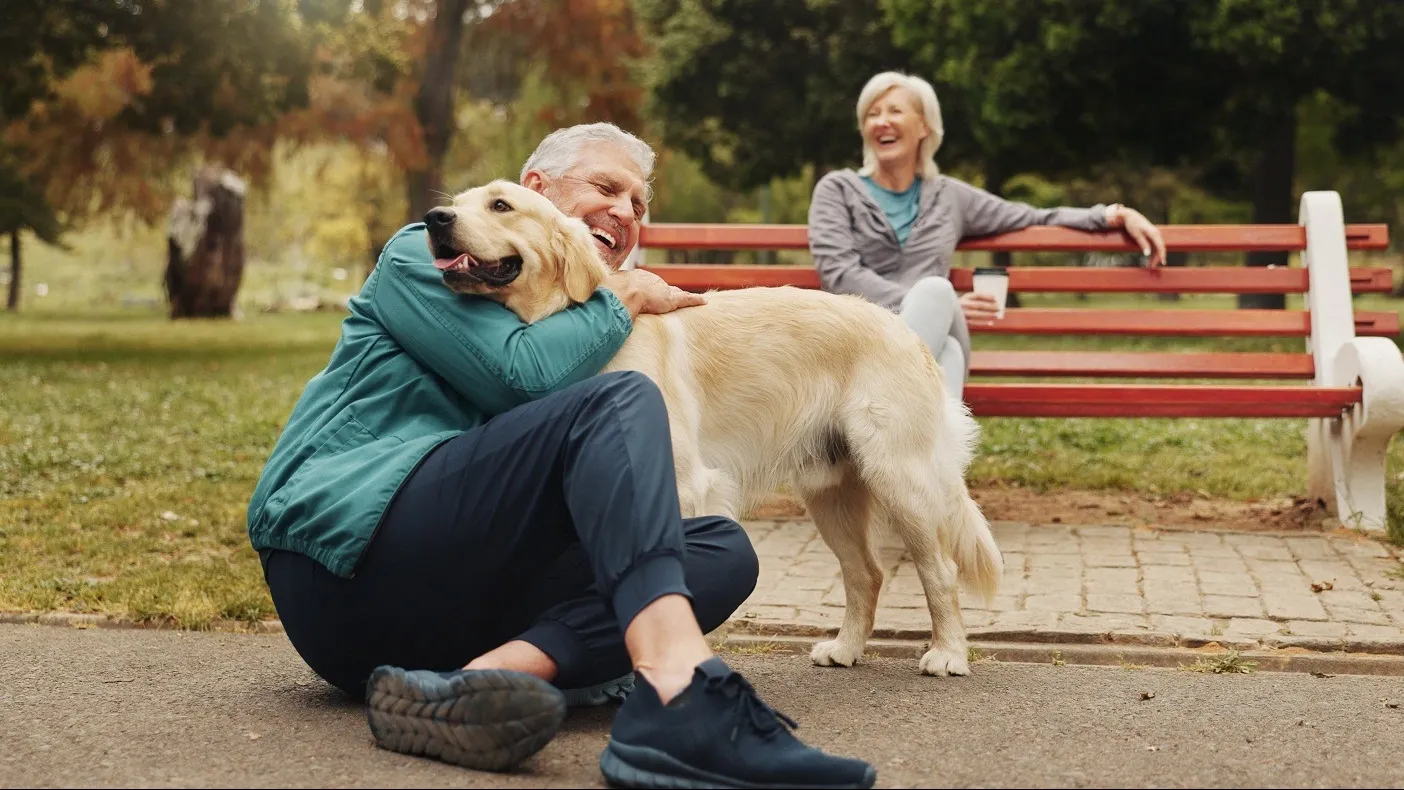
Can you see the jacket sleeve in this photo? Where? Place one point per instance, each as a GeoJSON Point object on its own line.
{"type": "Point", "coordinates": [835, 253]}
{"type": "Point", "coordinates": [985, 214]}
{"type": "Point", "coordinates": [478, 346]}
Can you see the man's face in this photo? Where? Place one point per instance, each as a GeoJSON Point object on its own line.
{"type": "Point", "coordinates": [606, 190]}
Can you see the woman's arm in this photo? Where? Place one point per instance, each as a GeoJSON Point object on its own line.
{"type": "Point", "coordinates": [985, 214]}
{"type": "Point", "coordinates": [479, 347]}
{"type": "Point", "coordinates": [836, 258]}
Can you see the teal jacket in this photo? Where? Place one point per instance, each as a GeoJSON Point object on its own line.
{"type": "Point", "coordinates": [415, 366]}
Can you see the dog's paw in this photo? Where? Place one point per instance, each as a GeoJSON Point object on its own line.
{"type": "Point", "coordinates": [834, 654]}
{"type": "Point", "coordinates": [941, 662]}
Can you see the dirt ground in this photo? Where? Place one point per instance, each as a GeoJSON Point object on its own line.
{"type": "Point", "coordinates": [1180, 511]}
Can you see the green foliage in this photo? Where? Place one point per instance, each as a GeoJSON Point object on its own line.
{"type": "Point", "coordinates": [760, 89]}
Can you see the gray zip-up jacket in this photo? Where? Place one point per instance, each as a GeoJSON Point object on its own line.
{"type": "Point", "coordinates": [856, 251]}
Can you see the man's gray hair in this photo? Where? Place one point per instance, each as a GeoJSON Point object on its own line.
{"type": "Point", "coordinates": [560, 150]}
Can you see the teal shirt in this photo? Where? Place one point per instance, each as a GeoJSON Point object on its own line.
{"type": "Point", "coordinates": [901, 208]}
{"type": "Point", "coordinates": [415, 366]}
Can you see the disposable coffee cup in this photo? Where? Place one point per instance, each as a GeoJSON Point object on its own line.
{"type": "Point", "coordinates": [993, 280]}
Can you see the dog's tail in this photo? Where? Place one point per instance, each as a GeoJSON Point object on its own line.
{"type": "Point", "coordinates": [968, 541]}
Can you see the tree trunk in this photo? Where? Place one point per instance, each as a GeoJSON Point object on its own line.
{"type": "Point", "coordinates": [12, 304]}
{"type": "Point", "coordinates": [1272, 200]}
{"type": "Point", "coordinates": [205, 247]}
{"type": "Point", "coordinates": [433, 106]}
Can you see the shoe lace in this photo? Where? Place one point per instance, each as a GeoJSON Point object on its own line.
{"type": "Point", "coordinates": [765, 720]}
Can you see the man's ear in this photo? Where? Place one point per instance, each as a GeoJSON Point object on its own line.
{"type": "Point", "coordinates": [535, 180]}
{"type": "Point", "coordinates": [581, 268]}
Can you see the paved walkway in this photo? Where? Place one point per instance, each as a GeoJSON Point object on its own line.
{"type": "Point", "coordinates": [144, 708]}
{"type": "Point", "coordinates": [1117, 584]}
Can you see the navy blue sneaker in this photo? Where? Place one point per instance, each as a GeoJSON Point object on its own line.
{"type": "Point", "coordinates": [483, 719]}
{"type": "Point", "coordinates": [600, 694]}
{"type": "Point", "coordinates": [717, 733]}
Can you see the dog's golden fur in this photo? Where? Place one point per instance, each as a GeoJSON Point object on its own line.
{"type": "Point", "coordinates": [830, 394]}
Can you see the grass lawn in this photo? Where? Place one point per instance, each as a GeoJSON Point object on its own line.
{"type": "Point", "coordinates": [129, 446]}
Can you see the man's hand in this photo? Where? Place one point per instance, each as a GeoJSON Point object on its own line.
{"type": "Point", "coordinates": [980, 309]}
{"type": "Point", "coordinates": [645, 292]}
{"type": "Point", "coordinates": [1140, 229]}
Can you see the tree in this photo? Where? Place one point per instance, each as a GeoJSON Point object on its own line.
{"type": "Point", "coordinates": [21, 209]}
{"type": "Point", "coordinates": [1215, 85]}
{"type": "Point", "coordinates": [163, 85]}
{"type": "Point", "coordinates": [760, 89]}
{"type": "Point", "coordinates": [117, 97]}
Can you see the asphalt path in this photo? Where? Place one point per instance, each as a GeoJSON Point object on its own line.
{"type": "Point", "coordinates": [119, 707]}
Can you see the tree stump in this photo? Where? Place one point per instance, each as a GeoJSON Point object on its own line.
{"type": "Point", "coordinates": [205, 247]}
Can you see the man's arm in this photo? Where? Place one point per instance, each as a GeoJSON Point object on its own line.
{"type": "Point", "coordinates": [478, 346]}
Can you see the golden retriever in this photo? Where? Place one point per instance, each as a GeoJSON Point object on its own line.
{"type": "Point", "coordinates": [764, 386]}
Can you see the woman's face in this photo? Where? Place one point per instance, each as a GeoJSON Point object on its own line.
{"type": "Point", "coordinates": [893, 126]}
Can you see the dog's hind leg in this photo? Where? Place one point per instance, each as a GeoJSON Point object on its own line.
{"type": "Point", "coordinates": [916, 511]}
{"type": "Point", "coordinates": [841, 512]}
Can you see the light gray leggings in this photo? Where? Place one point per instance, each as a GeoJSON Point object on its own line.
{"type": "Point", "coordinates": [932, 309]}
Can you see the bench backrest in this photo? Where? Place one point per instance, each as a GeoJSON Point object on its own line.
{"type": "Point", "coordinates": [1325, 278]}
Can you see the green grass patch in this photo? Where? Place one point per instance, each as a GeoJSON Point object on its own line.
{"type": "Point", "coordinates": [129, 446]}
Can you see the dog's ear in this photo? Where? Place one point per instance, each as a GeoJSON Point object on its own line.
{"type": "Point", "coordinates": [581, 269]}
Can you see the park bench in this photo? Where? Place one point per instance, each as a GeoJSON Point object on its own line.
{"type": "Point", "coordinates": [1348, 382]}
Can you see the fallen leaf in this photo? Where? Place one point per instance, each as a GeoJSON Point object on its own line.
{"type": "Point", "coordinates": [1147, 695]}
{"type": "Point", "coordinates": [1319, 586]}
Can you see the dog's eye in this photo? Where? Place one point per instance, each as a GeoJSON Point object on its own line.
{"type": "Point", "coordinates": [500, 205]}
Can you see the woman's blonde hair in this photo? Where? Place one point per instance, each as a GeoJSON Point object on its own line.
{"type": "Point", "coordinates": [930, 110]}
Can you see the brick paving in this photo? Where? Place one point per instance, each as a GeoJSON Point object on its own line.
{"type": "Point", "coordinates": [1116, 584]}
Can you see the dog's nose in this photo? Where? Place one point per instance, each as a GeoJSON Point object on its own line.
{"type": "Point", "coordinates": [438, 218]}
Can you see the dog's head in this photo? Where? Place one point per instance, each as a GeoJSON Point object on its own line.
{"type": "Point", "coordinates": [509, 243]}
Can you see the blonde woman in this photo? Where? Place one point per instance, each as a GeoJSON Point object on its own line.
{"type": "Point", "coordinates": [887, 231]}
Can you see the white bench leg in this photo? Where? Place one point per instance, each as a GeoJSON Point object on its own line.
{"type": "Point", "coordinates": [1346, 455]}
{"type": "Point", "coordinates": [1358, 441]}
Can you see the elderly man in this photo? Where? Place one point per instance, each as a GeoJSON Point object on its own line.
{"type": "Point", "coordinates": [465, 523]}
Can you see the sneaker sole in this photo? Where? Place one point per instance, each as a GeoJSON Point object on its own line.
{"type": "Point", "coordinates": [488, 720]}
{"type": "Point", "coordinates": [619, 771]}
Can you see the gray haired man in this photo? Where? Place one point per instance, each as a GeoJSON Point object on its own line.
{"type": "Point", "coordinates": [469, 526]}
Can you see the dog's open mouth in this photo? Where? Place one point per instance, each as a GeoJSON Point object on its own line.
{"type": "Point", "coordinates": [464, 268]}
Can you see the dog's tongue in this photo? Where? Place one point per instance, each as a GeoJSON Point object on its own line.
{"type": "Point", "coordinates": [444, 264]}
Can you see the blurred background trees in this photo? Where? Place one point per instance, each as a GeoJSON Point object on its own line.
{"type": "Point", "coordinates": [344, 119]}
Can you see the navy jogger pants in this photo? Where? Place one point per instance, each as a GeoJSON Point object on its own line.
{"type": "Point", "coordinates": [553, 523]}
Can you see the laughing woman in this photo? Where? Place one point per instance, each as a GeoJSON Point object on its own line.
{"type": "Point", "coordinates": [887, 231]}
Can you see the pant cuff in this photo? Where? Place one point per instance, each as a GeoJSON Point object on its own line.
{"type": "Point", "coordinates": [651, 578]}
{"type": "Point", "coordinates": [564, 646]}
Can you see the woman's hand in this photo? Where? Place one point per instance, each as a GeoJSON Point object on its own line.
{"type": "Point", "coordinates": [1141, 230]}
{"type": "Point", "coordinates": [980, 309]}
{"type": "Point", "coordinates": [645, 292]}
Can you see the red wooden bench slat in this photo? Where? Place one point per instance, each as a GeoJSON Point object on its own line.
{"type": "Point", "coordinates": [1177, 323]}
{"type": "Point", "coordinates": [1157, 400]}
{"type": "Point", "coordinates": [1187, 238]}
{"type": "Point", "coordinates": [1151, 364]}
{"type": "Point", "coordinates": [1063, 279]}
{"type": "Point", "coordinates": [1195, 280]}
